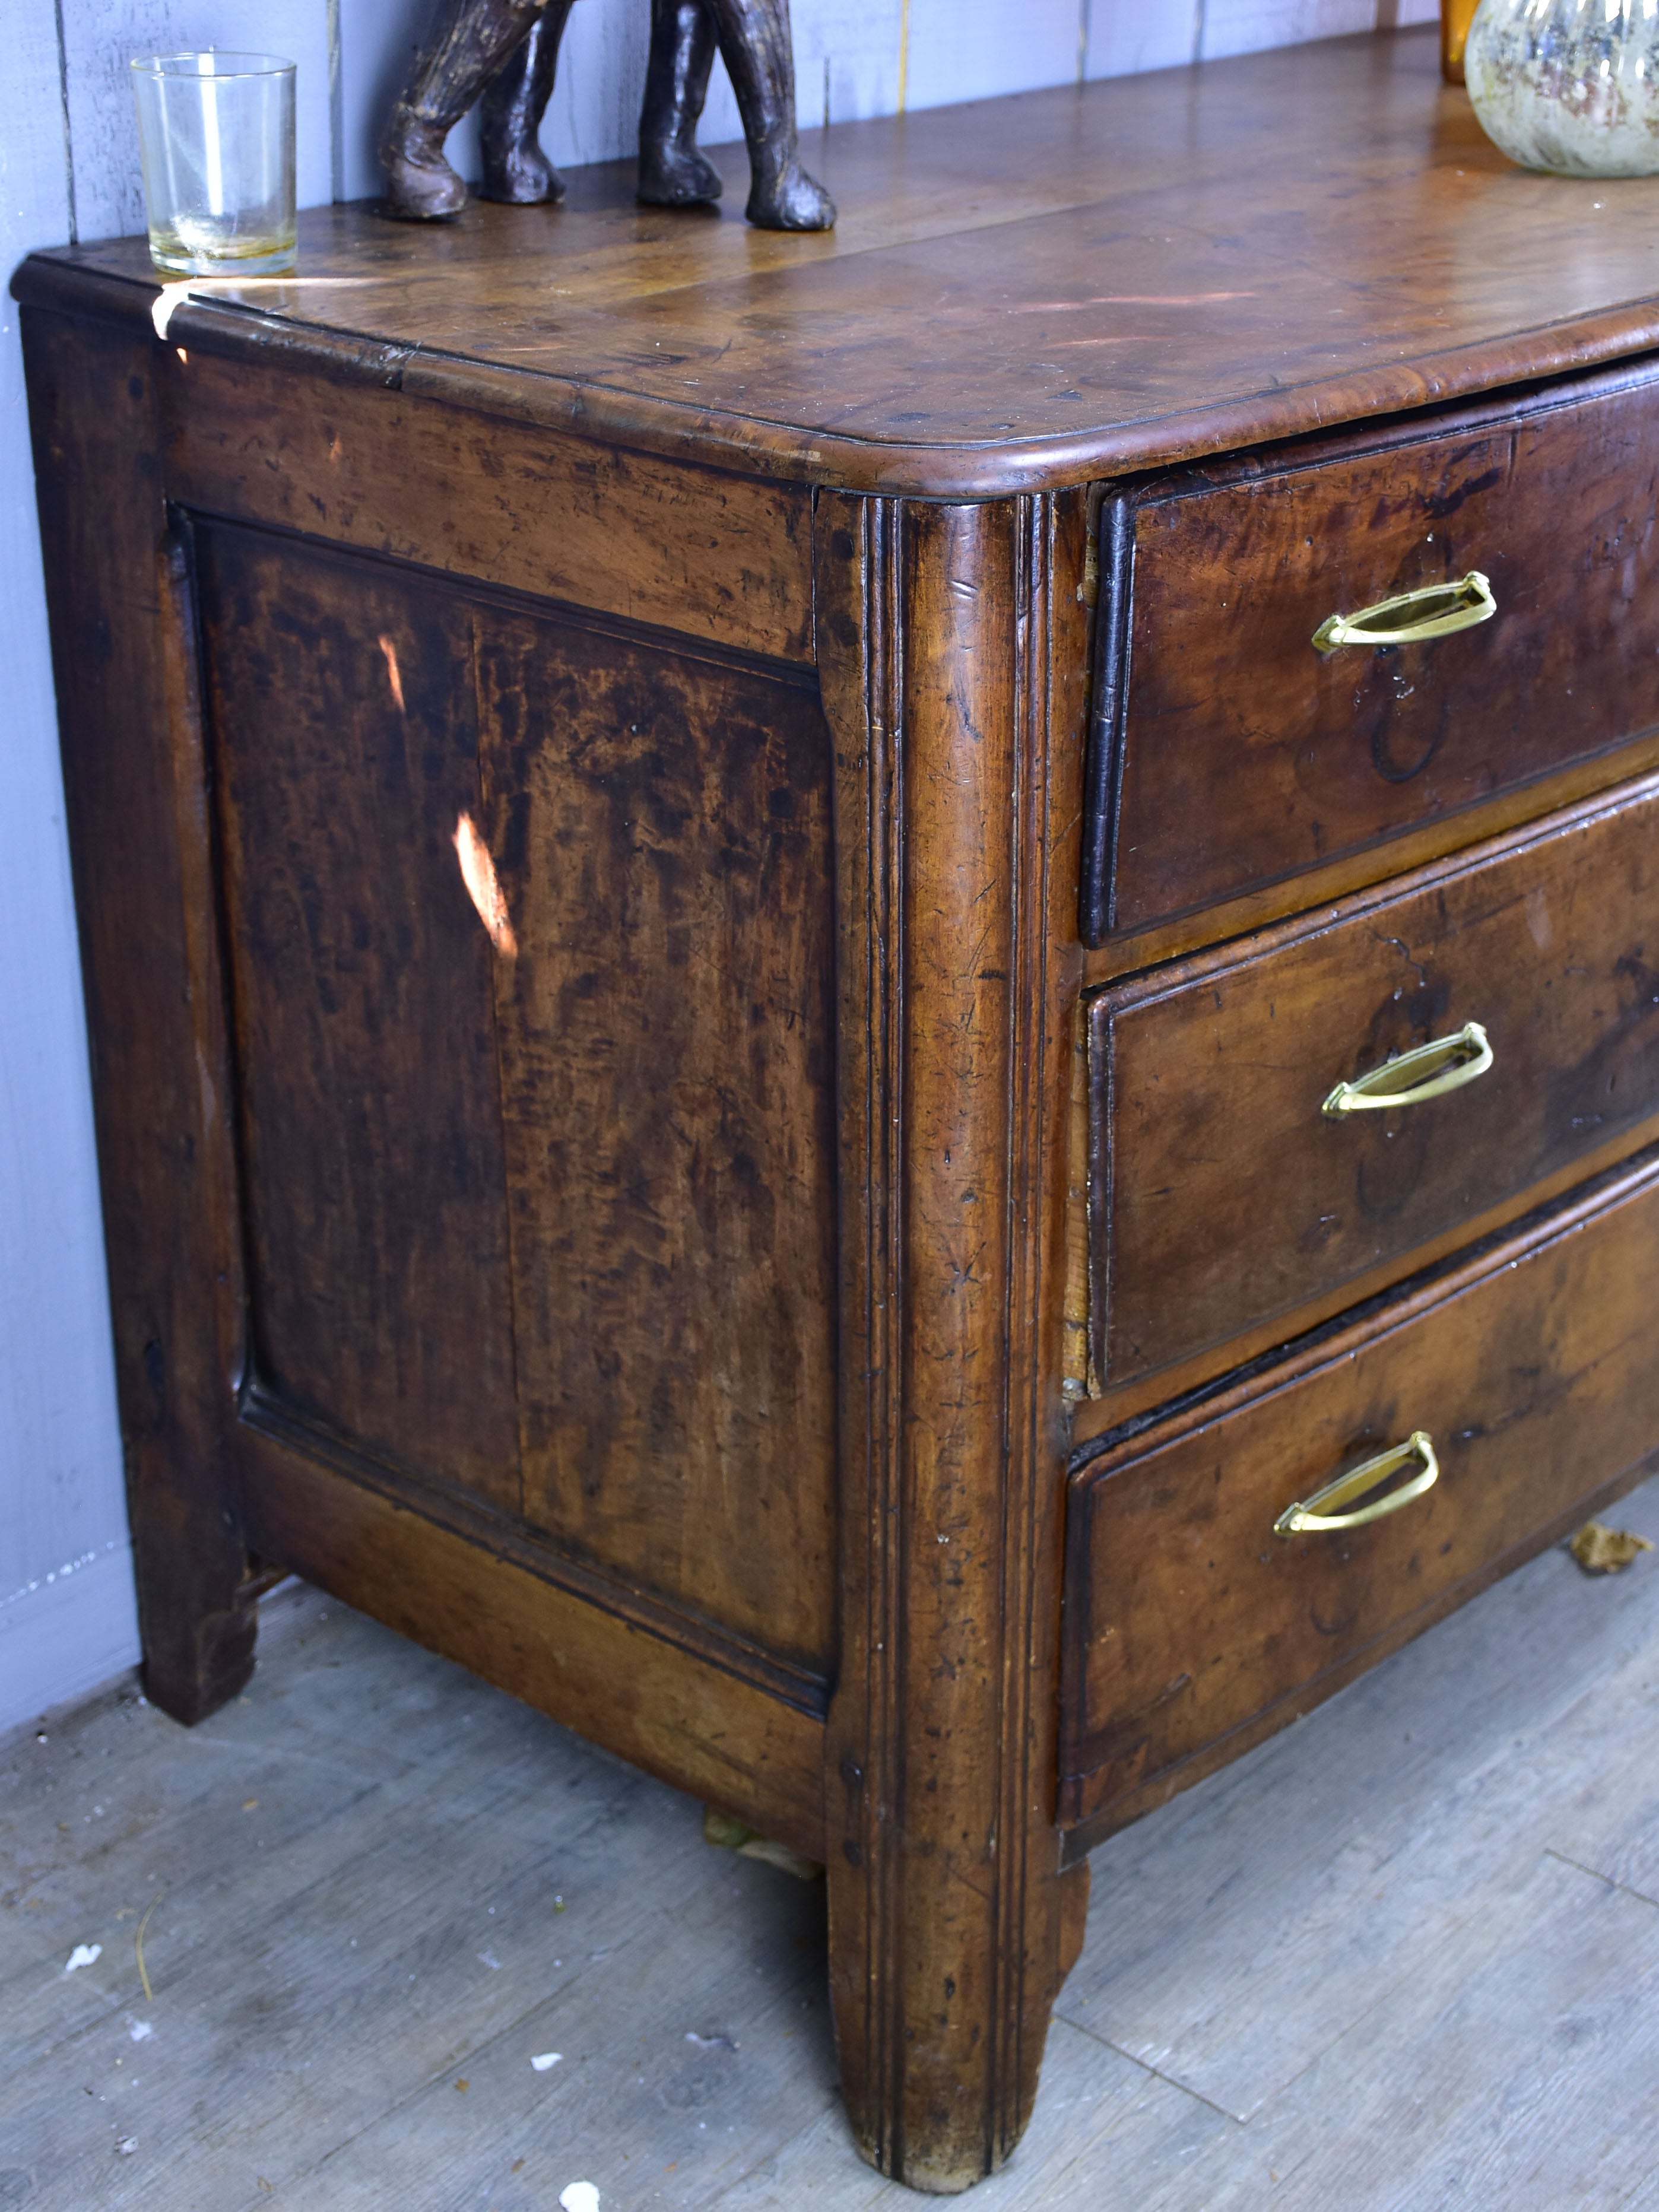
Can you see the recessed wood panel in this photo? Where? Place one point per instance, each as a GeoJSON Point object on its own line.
{"type": "Point", "coordinates": [661, 830]}
{"type": "Point", "coordinates": [1230, 754]}
{"type": "Point", "coordinates": [345, 749]}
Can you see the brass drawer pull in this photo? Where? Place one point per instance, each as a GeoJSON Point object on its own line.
{"type": "Point", "coordinates": [1318, 1512]}
{"type": "Point", "coordinates": [1431, 610]}
{"type": "Point", "coordinates": [1428, 1071]}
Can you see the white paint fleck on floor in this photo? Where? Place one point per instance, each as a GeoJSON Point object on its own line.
{"type": "Point", "coordinates": [408, 1943]}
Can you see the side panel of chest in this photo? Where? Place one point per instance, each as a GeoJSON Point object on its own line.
{"type": "Point", "coordinates": [528, 928]}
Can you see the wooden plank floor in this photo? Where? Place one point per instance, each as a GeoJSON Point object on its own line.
{"type": "Point", "coordinates": [1405, 1957]}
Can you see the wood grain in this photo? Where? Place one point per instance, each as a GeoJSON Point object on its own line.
{"type": "Point", "coordinates": [1127, 954]}
{"type": "Point", "coordinates": [1230, 753]}
{"type": "Point", "coordinates": [760, 1036]}
{"type": "Point", "coordinates": [1117, 278]}
{"type": "Point", "coordinates": [722, 556]}
{"type": "Point", "coordinates": [373, 1177]}
{"type": "Point", "coordinates": [651, 1701]}
{"type": "Point", "coordinates": [661, 828]}
{"type": "Point", "coordinates": [1529, 1368]}
{"type": "Point", "coordinates": [1208, 1078]}
{"type": "Point", "coordinates": [122, 654]}
{"type": "Point", "coordinates": [956, 842]}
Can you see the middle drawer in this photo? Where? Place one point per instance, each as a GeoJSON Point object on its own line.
{"type": "Point", "coordinates": [1223, 1195]}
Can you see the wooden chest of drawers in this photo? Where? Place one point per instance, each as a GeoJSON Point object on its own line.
{"type": "Point", "coordinates": [775, 1055]}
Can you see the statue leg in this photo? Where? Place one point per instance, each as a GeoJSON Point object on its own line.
{"type": "Point", "coordinates": [473, 40]}
{"type": "Point", "coordinates": [510, 114]}
{"type": "Point", "coordinates": [754, 41]}
{"type": "Point", "coordinates": [672, 172]}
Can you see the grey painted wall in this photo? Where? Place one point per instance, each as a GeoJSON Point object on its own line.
{"type": "Point", "coordinates": [68, 168]}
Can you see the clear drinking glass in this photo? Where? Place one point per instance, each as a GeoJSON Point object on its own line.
{"type": "Point", "coordinates": [215, 133]}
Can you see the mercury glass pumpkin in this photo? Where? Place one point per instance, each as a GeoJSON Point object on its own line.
{"type": "Point", "coordinates": [1570, 86]}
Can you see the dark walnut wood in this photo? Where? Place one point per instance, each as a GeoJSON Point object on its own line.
{"type": "Point", "coordinates": [123, 651]}
{"type": "Point", "coordinates": [1115, 276]}
{"type": "Point", "coordinates": [589, 1140]}
{"type": "Point", "coordinates": [949, 642]}
{"type": "Point", "coordinates": [577, 728]}
{"type": "Point", "coordinates": [1187, 1620]}
{"type": "Point", "coordinates": [372, 1178]}
{"type": "Point", "coordinates": [1228, 752]}
{"type": "Point", "coordinates": [699, 552]}
{"type": "Point", "coordinates": [1223, 1196]}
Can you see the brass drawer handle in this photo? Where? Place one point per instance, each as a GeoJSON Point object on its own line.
{"type": "Point", "coordinates": [1443, 1064]}
{"type": "Point", "coordinates": [1431, 610]}
{"type": "Point", "coordinates": [1318, 1512]}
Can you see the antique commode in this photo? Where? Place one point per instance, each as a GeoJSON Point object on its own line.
{"type": "Point", "coordinates": [741, 959]}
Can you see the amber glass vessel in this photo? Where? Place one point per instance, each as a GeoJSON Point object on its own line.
{"type": "Point", "coordinates": [1456, 16]}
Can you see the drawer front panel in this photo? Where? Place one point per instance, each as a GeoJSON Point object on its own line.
{"type": "Point", "coordinates": [1188, 1618]}
{"type": "Point", "coordinates": [1222, 1196]}
{"type": "Point", "coordinates": [1230, 754]}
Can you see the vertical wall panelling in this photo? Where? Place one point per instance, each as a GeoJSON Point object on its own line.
{"type": "Point", "coordinates": [1238, 27]}
{"type": "Point", "coordinates": [61, 1503]}
{"type": "Point", "coordinates": [973, 49]}
{"type": "Point", "coordinates": [100, 37]}
{"type": "Point", "coordinates": [1123, 36]}
{"type": "Point", "coordinates": [851, 48]}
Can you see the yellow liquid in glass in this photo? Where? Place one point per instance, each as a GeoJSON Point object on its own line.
{"type": "Point", "coordinates": [203, 249]}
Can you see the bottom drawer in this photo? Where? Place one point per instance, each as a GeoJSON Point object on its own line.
{"type": "Point", "coordinates": [1193, 1628]}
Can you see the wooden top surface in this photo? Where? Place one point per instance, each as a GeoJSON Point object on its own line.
{"type": "Point", "coordinates": [1019, 293]}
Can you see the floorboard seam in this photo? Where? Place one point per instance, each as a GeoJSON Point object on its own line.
{"type": "Point", "coordinates": [1609, 1881]}
{"type": "Point", "coordinates": [1278, 2088]}
{"type": "Point", "coordinates": [1157, 2073]}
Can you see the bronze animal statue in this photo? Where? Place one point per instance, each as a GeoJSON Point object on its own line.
{"type": "Point", "coordinates": [501, 54]}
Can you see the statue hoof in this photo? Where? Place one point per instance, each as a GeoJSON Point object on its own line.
{"type": "Point", "coordinates": [519, 174]}
{"type": "Point", "coordinates": [420, 184]}
{"type": "Point", "coordinates": [791, 201]}
{"type": "Point", "coordinates": [678, 176]}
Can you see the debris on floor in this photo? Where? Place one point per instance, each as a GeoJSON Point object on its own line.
{"type": "Point", "coordinates": [1601, 1551]}
{"type": "Point", "coordinates": [731, 1835]}
{"type": "Point", "coordinates": [138, 1954]}
{"type": "Point", "coordinates": [84, 1955]}
{"type": "Point", "coordinates": [546, 2059]}
{"type": "Point", "coordinates": [580, 2197]}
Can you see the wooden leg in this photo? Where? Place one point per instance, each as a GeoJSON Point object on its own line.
{"type": "Point", "coordinates": [136, 792]}
{"type": "Point", "coordinates": [950, 653]}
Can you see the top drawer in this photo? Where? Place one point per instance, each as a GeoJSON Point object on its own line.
{"type": "Point", "coordinates": [1229, 753]}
